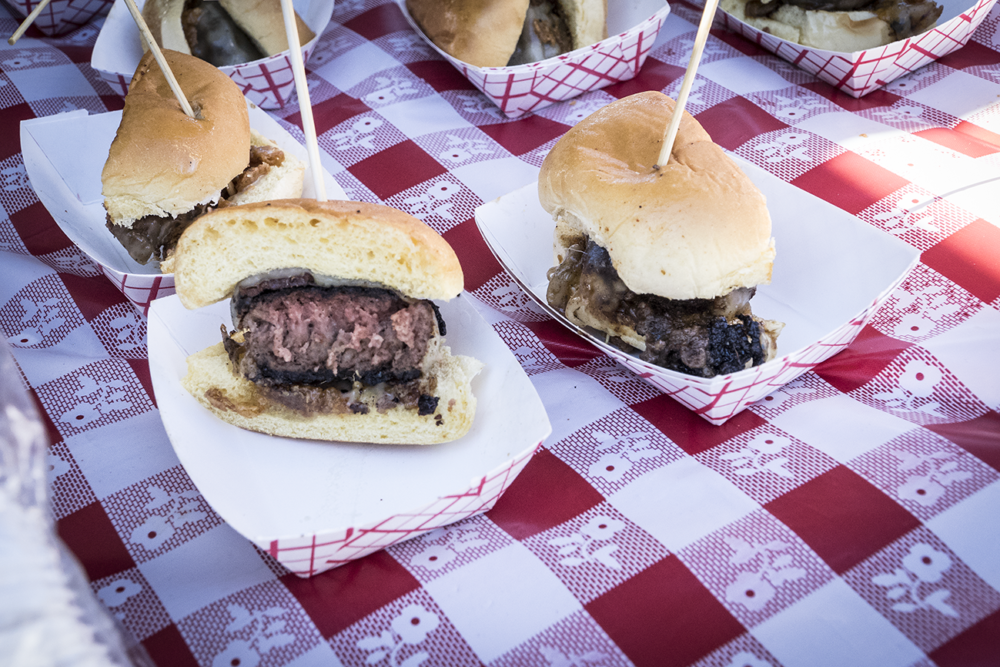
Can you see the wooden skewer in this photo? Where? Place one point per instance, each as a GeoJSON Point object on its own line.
{"type": "Point", "coordinates": [160, 60]}
{"type": "Point", "coordinates": [305, 106]}
{"type": "Point", "coordinates": [699, 46]}
{"type": "Point", "coordinates": [26, 23]}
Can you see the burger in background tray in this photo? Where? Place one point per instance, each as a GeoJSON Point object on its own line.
{"type": "Point", "coordinates": [607, 42]}
{"type": "Point", "coordinates": [856, 46]}
{"type": "Point", "coordinates": [506, 33]}
{"type": "Point", "coordinates": [663, 260]}
{"type": "Point", "coordinates": [837, 25]}
{"type": "Point", "coordinates": [165, 169]}
{"type": "Point", "coordinates": [334, 337]}
{"type": "Point", "coordinates": [265, 80]}
{"type": "Point", "coordinates": [222, 32]}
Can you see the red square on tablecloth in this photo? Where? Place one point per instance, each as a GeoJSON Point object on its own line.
{"type": "Point", "coordinates": [478, 263]}
{"type": "Point", "coordinates": [440, 75]}
{"type": "Point", "coordinates": [850, 182]}
{"type": "Point", "coordinates": [971, 258]}
{"type": "Point", "coordinates": [958, 142]}
{"type": "Point", "coordinates": [692, 433]}
{"type": "Point", "coordinates": [10, 141]}
{"type": "Point", "coordinates": [378, 22]}
{"type": "Point", "coordinates": [167, 647]}
{"type": "Point", "coordinates": [90, 535]}
{"type": "Point", "coordinates": [338, 598]}
{"type": "Point", "coordinates": [545, 494]}
{"type": "Point", "coordinates": [866, 357]}
{"type": "Point", "coordinates": [91, 295]}
{"type": "Point", "coordinates": [842, 517]}
{"type": "Point", "coordinates": [973, 54]}
{"type": "Point", "coordinates": [736, 121]}
{"type": "Point", "coordinates": [976, 646]}
{"type": "Point", "coordinates": [664, 617]}
{"type": "Point", "coordinates": [396, 168]}
{"type": "Point", "coordinates": [332, 112]}
{"type": "Point", "coordinates": [977, 436]}
{"type": "Point", "coordinates": [524, 134]}
{"type": "Point", "coordinates": [655, 75]}
{"type": "Point", "coordinates": [560, 341]}
{"type": "Point", "coordinates": [38, 231]}
{"type": "Point", "coordinates": [980, 133]}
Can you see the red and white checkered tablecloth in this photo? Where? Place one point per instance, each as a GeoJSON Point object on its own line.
{"type": "Point", "coordinates": [850, 518]}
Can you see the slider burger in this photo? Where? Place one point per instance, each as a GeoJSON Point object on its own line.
{"type": "Point", "coordinates": [662, 260]}
{"type": "Point", "coordinates": [222, 32]}
{"type": "Point", "coordinates": [334, 336]}
{"type": "Point", "coordinates": [499, 33]}
{"type": "Point", "coordinates": [837, 25]}
{"type": "Point", "coordinates": [165, 169]}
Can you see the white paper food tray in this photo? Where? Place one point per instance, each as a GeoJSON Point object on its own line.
{"type": "Point", "coordinates": [316, 505]}
{"type": "Point", "coordinates": [861, 72]}
{"type": "Point", "coordinates": [632, 25]}
{"type": "Point", "coordinates": [831, 273]}
{"type": "Point", "coordinates": [64, 156]}
{"type": "Point", "coordinates": [267, 82]}
{"type": "Point", "coordinates": [61, 16]}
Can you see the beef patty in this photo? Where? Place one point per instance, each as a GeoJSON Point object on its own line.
{"type": "Point", "coordinates": [703, 337]}
{"type": "Point", "coordinates": [316, 345]}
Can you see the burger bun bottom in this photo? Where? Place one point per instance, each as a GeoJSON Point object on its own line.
{"type": "Point", "coordinates": [243, 405]}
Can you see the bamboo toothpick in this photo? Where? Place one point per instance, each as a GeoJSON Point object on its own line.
{"type": "Point", "coordinates": [26, 23]}
{"type": "Point", "coordinates": [302, 91]}
{"type": "Point", "coordinates": [158, 55]}
{"type": "Point", "coordinates": [699, 46]}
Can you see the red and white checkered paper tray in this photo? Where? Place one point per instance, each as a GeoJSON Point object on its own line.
{"type": "Point", "coordinates": [61, 16]}
{"type": "Point", "coordinates": [831, 273]}
{"type": "Point", "coordinates": [633, 26]}
{"type": "Point", "coordinates": [64, 155]}
{"type": "Point", "coordinates": [267, 82]}
{"type": "Point", "coordinates": [861, 72]}
{"type": "Point", "coordinates": [317, 505]}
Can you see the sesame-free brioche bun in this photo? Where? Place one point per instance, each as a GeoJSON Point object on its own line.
{"type": "Point", "coordinates": [162, 162]}
{"type": "Point", "coordinates": [350, 240]}
{"type": "Point", "coordinates": [695, 228]}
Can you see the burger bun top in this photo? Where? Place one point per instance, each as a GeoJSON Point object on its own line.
{"type": "Point", "coordinates": [348, 240]}
{"type": "Point", "coordinates": [163, 162]}
{"type": "Point", "coordinates": [696, 227]}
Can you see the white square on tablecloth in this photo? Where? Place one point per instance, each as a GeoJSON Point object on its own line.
{"type": "Point", "coordinates": [123, 453]}
{"type": "Point", "coordinates": [743, 76]}
{"type": "Point", "coordinates": [577, 398]}
{"type": "Point", "coordinates": [355, 66]}
{"type": "Point", "coordinates": [412, 118]}
{"type": "Point", "coordinates": [207, 568]}
{"type": "Point", "coordinates": [959, 94]}
{"type": "Point", "coordinates": [848, 130]}
{"type": "Point", "coordinates": [681, 503]}
{"type": "Point", "coordinates": [491, 179]}
{"type": "Point", "coordinates": [79, 346]}
{"type": "Point", "coordinates": [970, 352]}
{"type": "Point", "coordinates": [58, 81]}
{"type": "Point", "coordinates": [835, 627]}
{"type": "Point", "coordinates": [825, 425]}
{"type": "Point", "coordinates": [502, 600]}
{"type": "Point", "coordinates": [965, 528]}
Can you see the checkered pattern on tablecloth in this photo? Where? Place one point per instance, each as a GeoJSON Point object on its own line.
{"type": "Point", "coordinates": [843, 520]}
